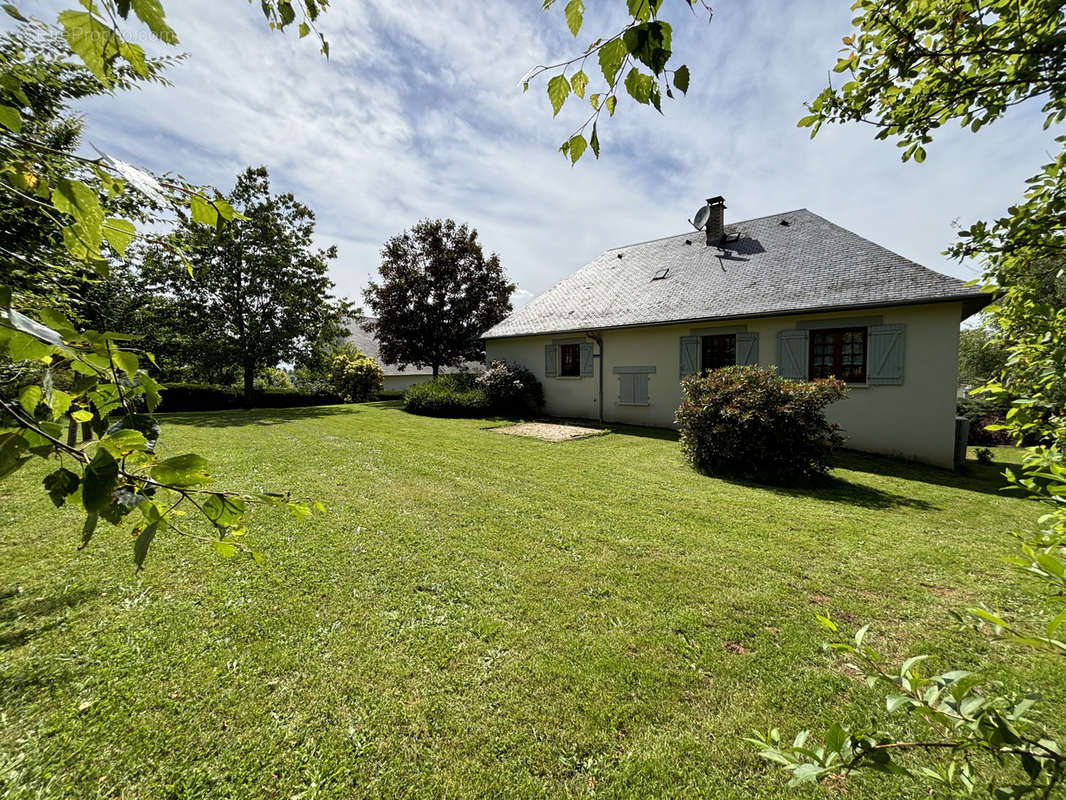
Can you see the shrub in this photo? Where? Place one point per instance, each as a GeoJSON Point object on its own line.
{"type": "Point", "coordinates": [355, 376]}
{"type": "Point", "coordinates": [985, 456]}
{"type": "Point", "coordinates": [456, 395]}
{"type": "Point", "coordinates": [748, 422]}
{"type": "Point", "coordinates": [511, 389]}
{"type": "Point", "coordinates": [206, 397]}
{"type": "Point", "coordinates": [273, 378]}
{"type": "Point", "coordinates": [983, 411]}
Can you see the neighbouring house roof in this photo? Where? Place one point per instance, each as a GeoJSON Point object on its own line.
{"type": "Point", "coordinates": [786, 263]}
{"type": "Point", "coordinates": [365, 341]}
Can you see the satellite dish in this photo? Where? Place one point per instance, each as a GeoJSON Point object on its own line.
{"type": "Point", "coordinates": [700, 219]}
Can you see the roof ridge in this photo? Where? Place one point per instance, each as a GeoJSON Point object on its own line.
{"type": "Point", "coordinates": [728, 224]}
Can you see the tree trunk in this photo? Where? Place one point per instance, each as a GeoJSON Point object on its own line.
{"type": "Point", "coordinates": [249, 380]}
{"type": "Point", "coordinates": [436, 371]}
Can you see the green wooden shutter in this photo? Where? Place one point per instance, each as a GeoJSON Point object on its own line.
{"type": "Point", "coordinates": [551, 361]}
{"type": "Point", "coordinates": [627, 388]}
{"type": "Point", "coordinates": [640, 388]}
{"type": "Point", "coordinates": [747, 348]}
{"type": "Point", "coordinates": [792, 354]}
{"type": "Point", "coordinates": [586, 360]}
{"type": "Point", "coordinates": [885, 353]}
{"type": "Point", "coordinates": [690, 355]}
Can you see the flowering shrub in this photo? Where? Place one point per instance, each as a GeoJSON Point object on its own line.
{"type": "Point", "coordinates": [749, 422]}
{"type": "Point", "coordinates": [511, 389]}
{"type": "Point", "coordinates": [355, 376]}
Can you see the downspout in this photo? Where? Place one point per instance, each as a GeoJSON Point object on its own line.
{"type": "Point", "coordinates": [599, 340]}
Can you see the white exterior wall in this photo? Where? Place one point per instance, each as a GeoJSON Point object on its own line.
{"type": "Point", "coordinates": [914, 420]}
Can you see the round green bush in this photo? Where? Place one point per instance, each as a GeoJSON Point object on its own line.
{"type": "Point", "coordinates": [749, 422]}
{"type": "Point", "coordinates": [355, 376]}
{"type": "Point", "coordinates": [455, 395]}
{"type": "Point", "coordinates": [511, 389]}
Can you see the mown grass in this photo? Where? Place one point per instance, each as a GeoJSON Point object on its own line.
{"type": "Point", "coordinates": [479, 615]}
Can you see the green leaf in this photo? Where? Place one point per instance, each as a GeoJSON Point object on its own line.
{"type": "Point", "coordinates": [23, 347]}
{"type": "Point", "coordinates": [101, 477]}
{"type": "Point", "coordinates": [119, 233]}
{"type": "Point", "coordinates": [144, 540]}
{"type": "Point", "coordinates": [203, 211]}
{"type": "Point", "coordinates": [577, 147]}
{"type": "Point", "coordinates": [919, 154]}
{"type": "Point", "coordinates": [612, 55]}
{"type": "Point", "coordinates": [304, 29]}
{"type": "Point", "coordinates": [122, 442]}
{"type": "Point", "coordinates": [81, 415]}
{"type": "Point", "coordinates": [579, 80]}
{"type": "Point", "coordinates": [88, 528]}
{"type": "Point", "coordinates": [225, 549]}
{"type": "Point", "coordinates": [184, 470]}
{"type": "Point", "coordinates": [10, 118]}
{"type": "Point", "coordinates": [574, 12]}
{"type": "Point", "coordinates": [87, 37]}
{"type": "Point", "coordinates": [60, 403]}
{"type": "Point", "coordinates": [681, 79]}
{"type": "Point", "coordinates": [558, 89]}
{"type": "Point", "coordinates": [126, 361]}
{"type": "Point", "coordinates": [13, 449]}
{"type": "Point", "coordinates": [151, 13]}
{"type": "Point", "coordinates": [639, 86]}
{"type": "Point", "coordinates": [30, 398]}
{"type": "Point", "coordinates": [82, 203]}
{"type": "Point", "coordinates": [13, 12]}
{"type": "Point", "coordinates": [223, 510]}
{"type": "Point", "coordinates": [60, 485]}
{"type": "Point", "coordinates": [611, 102]}
{"type": "Point", "coordinates": [594, 141]}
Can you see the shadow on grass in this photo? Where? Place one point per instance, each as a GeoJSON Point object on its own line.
{"type": "Point", "coordinates": [21, 619]}
{"type": "Point", "coordinates": [257, 416]}
{"type": "Point", "coordinates": [974, 477]}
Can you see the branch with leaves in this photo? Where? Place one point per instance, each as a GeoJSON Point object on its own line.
{"type": "Point", "coordinates": [645, 40]}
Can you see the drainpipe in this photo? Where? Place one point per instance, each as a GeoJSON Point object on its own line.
{"type": "Point", "coordinates": [599, 340]}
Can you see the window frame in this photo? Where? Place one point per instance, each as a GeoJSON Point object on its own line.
{"type": "Point", "coordinates": [837, 369]}
{"type": "Point", "coordinates": [703, 350]}
{"type": "Point", "coordinates": [576, 363]}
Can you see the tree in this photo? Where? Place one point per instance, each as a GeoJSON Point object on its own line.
{"type": "Point", "coordinates": [913, 66]}
{"type": "Point", "coordinates": [437, 295]}
{"type": "Point", "coordinates": [355, 376]}
{"type": "Point", "coordinates": [981, 356]}
{"type": "Point", "coordinates": [257, 293]}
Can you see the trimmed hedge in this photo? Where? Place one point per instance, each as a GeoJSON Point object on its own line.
{"type": "Point", "coordinates": [749, 422]}
{"type": "Point", "coordinates": [455, 395]}
{"type": "Point", "coordinates": [207, 397]}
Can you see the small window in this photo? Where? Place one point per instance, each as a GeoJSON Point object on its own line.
{"type": "Point", "coordinates": [570, 360]}
{"type": "Point", "coordinates": [719, 351]}
{"type": "Point", "coordinates": [660, 274]}
{"type": "Point", "coordinates": [840, 353]}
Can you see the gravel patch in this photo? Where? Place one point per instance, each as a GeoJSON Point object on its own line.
{"type": "Point", "coordinates": [548, 431]}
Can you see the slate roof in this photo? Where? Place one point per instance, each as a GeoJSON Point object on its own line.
{"type": "Point", "coordinates": [772, 268]}
{"type": "Point", "coordinates": [366, 342]}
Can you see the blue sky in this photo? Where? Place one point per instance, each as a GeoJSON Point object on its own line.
{"type": "Point", "coordinates": [419, 113]}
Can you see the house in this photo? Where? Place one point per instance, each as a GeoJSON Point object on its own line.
{"type": "Point", "coordinates": [397, 378]}
{"type": "Point", "coordinates": [794, 290]}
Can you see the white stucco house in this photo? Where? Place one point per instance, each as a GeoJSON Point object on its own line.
{"type": "Point", "coordinates": [397, 378]}
{"type": "Point", "coordinates": [792, 290]}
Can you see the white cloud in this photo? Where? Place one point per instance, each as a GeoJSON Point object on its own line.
{"type": "Point", "coordinates": [419, 114]}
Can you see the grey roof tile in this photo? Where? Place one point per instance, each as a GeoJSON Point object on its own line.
{"type": "Point", "coordinates": [810, 264]}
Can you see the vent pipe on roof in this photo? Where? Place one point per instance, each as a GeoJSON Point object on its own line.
{"type": "Point", "coordinates": [715, 220]}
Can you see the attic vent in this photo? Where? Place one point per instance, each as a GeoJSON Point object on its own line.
{"type": "Point", "coordinates": [660, 274]}
{"type": "Point", "coordinates": [784, 222]}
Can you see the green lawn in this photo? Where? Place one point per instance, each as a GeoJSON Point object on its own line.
{"type": "Point", "coordinates": [478, 615]}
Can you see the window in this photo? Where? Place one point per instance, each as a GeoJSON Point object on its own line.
{"type": "Point", "coordinates": [570, 360]}
{"type": "Point", "coordinates": [840, 353]}
{"type": "Point", "coordinates": [660, 274]}
{"type": "Point", "coordinates": [633, 385]}
{"type": "Point", "coordinates": [719, 351]}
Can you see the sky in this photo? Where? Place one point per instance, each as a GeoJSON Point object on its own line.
{"type": "Point", "coordinates": [419, 113]}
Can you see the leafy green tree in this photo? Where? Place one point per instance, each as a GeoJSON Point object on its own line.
{"type": "Point", "coordinates": [913, 66]}
{"type": "Point", "coordinates": [981, 355]}
{"type": "Point", "coordinates": [437, 295]}
{"type": "Point", "coordinates": [257, 293]}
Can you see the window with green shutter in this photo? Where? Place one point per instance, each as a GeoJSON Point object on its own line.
{"type": "Point", "coordinates": [633, 385]}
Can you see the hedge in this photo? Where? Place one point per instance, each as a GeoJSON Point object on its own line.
{"type": "Point", "coordinates": [207, 397]}
{"type": "Point", "coordinates": [454, 395]}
